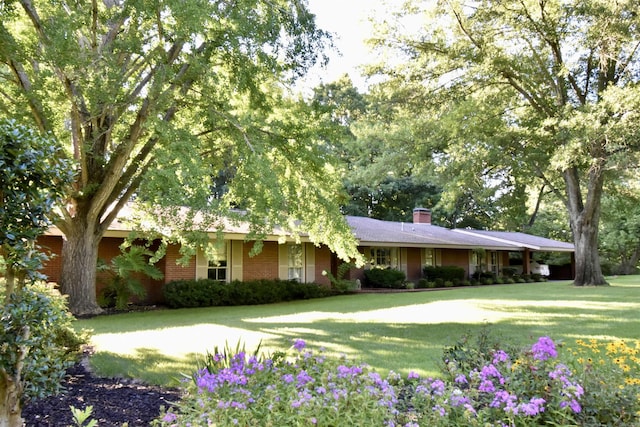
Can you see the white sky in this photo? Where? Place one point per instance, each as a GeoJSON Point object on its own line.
{"type": "Point", "coordinates": [347, 20]}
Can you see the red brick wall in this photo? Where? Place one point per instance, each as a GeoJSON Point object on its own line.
{"type": "Point", "coordinates": [458, 257]}
{"type": "Point", "coordinates": [174, 271]}
{"type": "Point", "coordinates": [261, 266]}
{"type": "Point", "coordinates": [323, 262]}
{"type": "Point", "coordinates": [414, 264]}
{"type": "Point", "coordinates": [52, 246]}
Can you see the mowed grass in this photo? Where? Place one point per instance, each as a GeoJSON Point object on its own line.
{"type": "Point", "coordinates": [398, 332]}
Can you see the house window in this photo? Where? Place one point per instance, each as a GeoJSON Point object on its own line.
{"type": "Point", "coordinates": [493, 266]}
{"type": "Point", "coordinates": [384, 257]}
{"type": "Point", "coordinates": [429, 257]}
{"type": "Point", "coordinates": [213, 264]}
{"type": "Point", "coordinates": [295, 262]}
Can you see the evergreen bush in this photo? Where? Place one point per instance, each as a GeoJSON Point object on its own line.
{"type": "Point", "coordinates": [384, 278]}
{"type": "Point", "coordinates": [210, 293]}
{"type": "Point", "coordinates": [444, 272]}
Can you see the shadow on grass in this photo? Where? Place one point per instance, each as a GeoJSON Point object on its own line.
{"type": "Point", "coordinates": [399, 332]}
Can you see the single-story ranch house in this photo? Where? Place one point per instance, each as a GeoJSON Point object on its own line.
{"type": "Point", "coordinates": [404, 246]}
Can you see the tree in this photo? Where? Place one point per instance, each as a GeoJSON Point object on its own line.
{"type": "Point", "coordinates": [521, 94]}
{"type": "Point", "coordinates": [620, 227]}
{"type": "Point", "coordinates": [36, 335]}
{"type": "Point", "coordinates": [157, 98]}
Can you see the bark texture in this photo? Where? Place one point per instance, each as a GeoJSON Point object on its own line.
{"type": "Point", "coordinates": [584, 217]}
{"type": "Point", "coordinates": [78, 277]}
{"type": "Point", "coordinates": [10, 410]}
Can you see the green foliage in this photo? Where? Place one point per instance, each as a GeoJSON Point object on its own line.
{"type": "Point", "coordinates": [472, 351]}
{"type": "Point", "coordinates": [610, 374]}
{"type": "Point", "coordinates": [33, 176]}
{"type": "Point", "coordinates": [208, 293]}
{"type": "Point", "coordinates": [38, 340]}
{"type": "Point", "coordinates": [385, 278]}
{"type": "Point", "coordinates": [80, 417]}
{"type": "Point", "coordinates": [122, 282]}
{"type": "Point", "coordinates": [445, 272]}
{"type": "Point", "coordinates": [293, 388]}
{"type": "Point", "coordinates": [520, 388]}
{"type": "Point", "coordinates": [338, 282]}
{"type": "Point", "coordinates": [504, 112]}
{"type": "Point", "coordinates": [180, 104]}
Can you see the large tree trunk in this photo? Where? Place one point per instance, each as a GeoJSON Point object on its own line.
{"type": "Point", "coordinates": [10, 410]}
{"type": "Point", "coordinates": [79, 262]}
{"type": "Point", "coordinates": [584, 218]}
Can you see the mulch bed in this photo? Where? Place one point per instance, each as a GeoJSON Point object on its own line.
{"type": "Point", "coordinates": [115, 401]}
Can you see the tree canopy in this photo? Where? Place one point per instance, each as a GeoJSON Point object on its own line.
{"type": "Point", "coordinates": [167, 97]}
{"type": "Point", "coordinates": [518, 96]}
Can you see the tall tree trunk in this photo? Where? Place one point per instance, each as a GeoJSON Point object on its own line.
{"type": "Point", "coordinates": [10, 410]}
{"type": "Point", "coordinates": [584, 218]}
{"type": "Point", "coordinates": [79, 263]}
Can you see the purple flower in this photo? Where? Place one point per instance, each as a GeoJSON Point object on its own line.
{"type": "Point", "coordinates": [413, 375]}
{"type": "Point", "coordinates": [500, 356]}
{"type": "Point", "coordinates": [534, 407]}
{"type": "Point", "coordinates": [461, 379]}
{"type": "Point", "coordinates": [544, 349]}
{"type": "Point", "coordinates": [299, 344]}
{"type": "Point", "coordinates": [438, 387]}
{"type": "Point", "coordinates": [573, 404]}
{"type": "Point", "coordinates": [287, 378]}
{"type": "Point", "coordinates": [169, 417]}
{"type": "Point", "coordinates": [486, 386]}
{"type": "Point", "coordinates": [303, 378]}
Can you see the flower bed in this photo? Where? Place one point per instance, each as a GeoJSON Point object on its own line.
{"type": "Point", "coordinates": [302, 388]}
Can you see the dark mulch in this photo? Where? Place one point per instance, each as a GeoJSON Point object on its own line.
{"type": "Point", "coordinates": [115, 401]}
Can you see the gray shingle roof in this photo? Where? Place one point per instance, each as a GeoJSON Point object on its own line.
{"type": "Point", "coordinates": [372, 232]}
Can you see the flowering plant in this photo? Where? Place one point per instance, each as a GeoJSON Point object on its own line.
{"type": "Point", "coordinates": [610, 374]}
{"type": "Point", "coordinates": [301, 388]}
{"type": "Point", "coordinates": [531, 389]}
{"type": "Point", "coordinates": [298, 388]}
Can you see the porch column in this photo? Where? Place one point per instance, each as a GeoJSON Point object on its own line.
{"type": "Point", "coordinates": [526, 260]}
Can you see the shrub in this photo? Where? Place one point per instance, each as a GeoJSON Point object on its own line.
{"type": "Point", "coordinates": [509, 271]}
{"type": "Point", "coordinates": [439, 282]}
{"type": "Point", "coordinates": [423, 283]}
{"type": "Point", "coordinates": [610, 374]}
{"type": "Point", "coordinates": [338, 283]}
{"type": "Point", "coordinates": [300, 387]}
{"type": "Point", "coordinates": [210, 293]}
{"type": "Point", "coordinates": [121, 282]}
{"type": "Point", "coordinates": [284, 389]}
{"type": "Point", "coordinates": [448, 272]}
{"type": "Point", "coordinates": [448, 284]}
{"type": "Point", "coordinates": [384, 278]}
{"type": "Point", "coordinates": [38, 340]}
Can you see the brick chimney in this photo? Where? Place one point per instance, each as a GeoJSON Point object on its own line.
{"type": "Point", "coordinates": [421, 216]}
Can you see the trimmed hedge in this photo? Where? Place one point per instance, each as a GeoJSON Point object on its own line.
{"type": "Point", "coordinates": [210, 293]}
{"type": "Point", "coordinates": [385, 278]}
{"type": "Point", "coordinates": [448, 273]}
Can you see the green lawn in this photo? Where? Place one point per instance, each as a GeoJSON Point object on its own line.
{"type": "Point", "coordinates": [399, 332]}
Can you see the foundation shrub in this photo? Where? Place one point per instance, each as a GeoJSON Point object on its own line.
{"type": "Point", "coordinates": [209, 293]}
{"type": "Point", "coordinates": [385, 278]}
{"type": "Point", "coordinates": [445, 272]}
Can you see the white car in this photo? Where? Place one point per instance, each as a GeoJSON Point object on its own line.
{"type": "Point", "coordinates": [534, 268]}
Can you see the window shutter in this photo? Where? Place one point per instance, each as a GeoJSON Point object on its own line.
{"type": "Point", "coordinates": [283, 261]}
{"type": "Point", "coordinates": [236, 259]}
{"type": "Point", "coordinates": [202, 264]}
{"type": "Point", "coordinates": [309, 266]}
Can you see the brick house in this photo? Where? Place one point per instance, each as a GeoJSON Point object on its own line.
{"type": "Point", "coordinates": [404, 246]}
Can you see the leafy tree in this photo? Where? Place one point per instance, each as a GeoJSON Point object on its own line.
{"type": "Point", "coordinates": [36, 335]}
{"type": "Point", "coordinates": [520, 94]}
{"type": "Point", "coordinates": [161, 99]}
{"type": "Point", "coordinates": [620, 228]}
{"type": "Point", "coordinates": [122, 282]}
